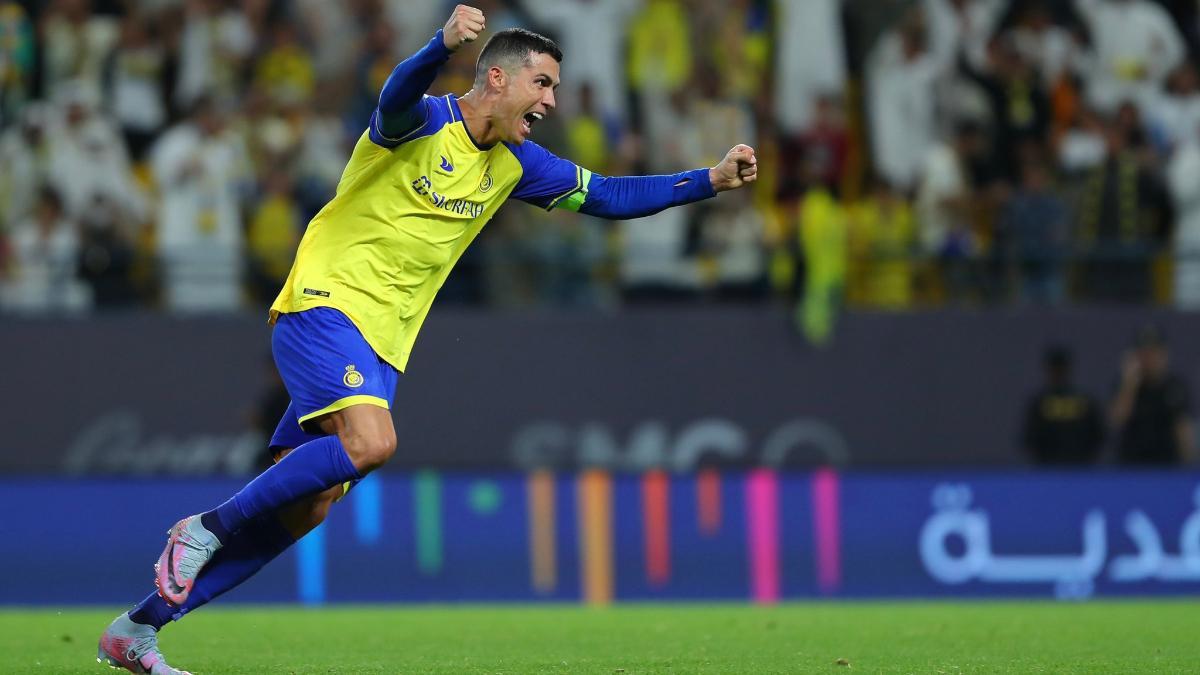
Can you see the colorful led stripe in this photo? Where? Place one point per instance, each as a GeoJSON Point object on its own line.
{"type": "Point", "coordinates": [595, 541]}
{"type": "Point", "coordinates": [708, 501]}
{"type": "Point", "coordinates": [427, 508]}
{"type": "Point", "coordinates": [310, 567]}
{"type": "Point", "coordinates": [656, 526]}
{"type": "Point", "coordinates": [825, 529]}
{"type": "Point", "coordinates": [542, 523]}
{"type": "Point", "coordinates": [762, 528]}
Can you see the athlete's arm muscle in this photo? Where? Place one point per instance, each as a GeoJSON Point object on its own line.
{"type": "Point", "coordinates": [622, 197]}
{"type": "Point", "coordinates": [400, 107]}
{"type": "Point", "coordinates": [549, 181]}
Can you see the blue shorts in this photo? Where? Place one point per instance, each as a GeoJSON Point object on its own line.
{"type": "Point", "coordinates": [326, 366]}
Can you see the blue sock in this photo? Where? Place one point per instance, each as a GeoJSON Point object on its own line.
{"type": "Point", "coordinates": [258, 542]}
{"type": "Point", "coordinates": [315, 466]}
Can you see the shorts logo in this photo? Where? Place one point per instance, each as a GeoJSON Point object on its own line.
{"type": "Point", "coordinates": [485, 183]}
{"type": "Point", "coordinates": [352, 378]}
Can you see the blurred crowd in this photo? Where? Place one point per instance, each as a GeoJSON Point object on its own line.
{"type": "Point", "coordinates": [915, 153]}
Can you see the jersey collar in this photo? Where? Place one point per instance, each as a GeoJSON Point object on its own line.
{"type": "Point", "coordinates": [457, 116]}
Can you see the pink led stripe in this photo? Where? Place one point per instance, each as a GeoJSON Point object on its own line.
{"type": "Point", "coordinates": [826, 527]}
{"type": "Point", "coordinates": [762, 525]}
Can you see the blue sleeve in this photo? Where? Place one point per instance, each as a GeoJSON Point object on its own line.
{"type": "Point", "coordinates": [623, 197]}
{"type": "Point", "coordinates": [549, 181]}
{"type": "Point", "coordinates": [402, 108]}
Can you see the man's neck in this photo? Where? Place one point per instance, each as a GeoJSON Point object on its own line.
{"type": "Point", "coordinates": [477, 116]}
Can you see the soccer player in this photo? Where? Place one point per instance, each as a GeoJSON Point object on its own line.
{"type": "Point", "coordinates": [423, 179]}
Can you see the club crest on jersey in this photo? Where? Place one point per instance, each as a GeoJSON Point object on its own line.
{"type": "Point", "coordinates": [485, 183]}
{"type": "Point", "coordinates": [446, 165]}
{"type": "Point", "coordinates": [352, 378]}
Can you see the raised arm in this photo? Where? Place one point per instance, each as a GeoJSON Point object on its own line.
{"type": "Point", "coordinates": [549, 181]}
{"type": "Point", "coordinates": [400, 108]}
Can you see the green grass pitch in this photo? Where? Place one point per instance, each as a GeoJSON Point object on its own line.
{"type": "Point", "coordinates": [913, 637]}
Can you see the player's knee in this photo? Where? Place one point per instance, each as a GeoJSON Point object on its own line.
{"type": "Point", "coordinates": [370, 451]}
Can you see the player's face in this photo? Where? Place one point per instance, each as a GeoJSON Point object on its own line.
{"type": "Point", "coordinates": [530, 97]}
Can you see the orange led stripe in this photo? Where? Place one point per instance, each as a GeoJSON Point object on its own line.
{"type": "Point", "coordinates": [595, 541]}
{"type": "Point", "coordinates": [542, 521]}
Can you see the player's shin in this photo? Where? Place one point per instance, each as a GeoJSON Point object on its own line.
{"type": "Point", "coordinates": [257, 543]}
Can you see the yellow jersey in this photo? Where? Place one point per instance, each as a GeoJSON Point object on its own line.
{"type": "Point", "coordinates": [404, 211]}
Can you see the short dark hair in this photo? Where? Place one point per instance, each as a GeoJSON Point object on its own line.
{"type": "Point", "coordinates": [511, 47]}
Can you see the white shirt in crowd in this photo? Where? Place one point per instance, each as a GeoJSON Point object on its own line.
{"type": "Point", "coordinates": [811, 59]}
{"type": "Point", "coordinates": [44, 263]}
{"type": "Point", "coordinates": [1183, 181]}
{"type": "Point", "coordinates": [88, 161]}
{"type": "Point", "coordinates": [1135, 45]}
{"type": "Point", "coordinates": [200, 232]}
{"type": "Point", "coordinates": [942, 178]}
{"type": "Point", "coordinates": [901, 108]}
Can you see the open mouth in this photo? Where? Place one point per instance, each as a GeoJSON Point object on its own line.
{"type": "Point", "coordinates": [528, 121]}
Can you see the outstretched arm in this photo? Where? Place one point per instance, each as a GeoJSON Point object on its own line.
{"type": "Point", "coordinates": [636, 196]}
{"type": "Point", "coordinates": [400, 109]}
{"type": "Point", "coordinates": [552, 182]}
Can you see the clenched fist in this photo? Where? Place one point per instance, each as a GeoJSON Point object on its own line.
{"type": "Point", "coordinates": [738, 168]}
{"type": "Point", "coordinates": [465, 25]}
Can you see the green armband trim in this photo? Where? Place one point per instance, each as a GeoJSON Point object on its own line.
{"type": "Point", "coordinates": [574, 199]}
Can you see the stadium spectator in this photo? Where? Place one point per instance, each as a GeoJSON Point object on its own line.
{"type": "Point", "coordinates": [272, 236]}
{"type": "Point", "coordinates": [75, 43]}
{"type": "Point", "coordinates": [1034, 231]}
{"type": "Point", "coordinates": [108, 259]}
{"type": "Point", "coordinates": [1121, 215]}
{"type": "Point", "coordinates": [329, 27]}
{"type": "Point", "coordinates": [732, 241]}
{"type": "Point", "coordinates": [24, 153]}
{"type": "Point", "coordinates": [1151, 409]}
{"type": "Point", "coordinates": [695, 70]}
{"type": "Point", "coordinates": [88, 159]}
{"type": "Point", "coordinates": [370, 71]}
{"type": "Point", "coordinates": [285, 72]}
{"type": "Point", "coordinates": [1079, 143]}
{"type": "Point", "coordinates": [809, 60]}
{"type": "Point", "coordinates": [823, 239]}
{"type": "Point", "coordinates": [1053, 49]}
{"type": "Point", "coordinates": [945, 204]}
{"type": "Point", "coordinates": [45, 250]}
{"type": "Point", "coordinates": [590, 134]}
{"type": "Point", "coordinates": [17, 57]}
{"type": "Point", "coordinates": [962, 27]}
{"type": "Point", "coordinates": [824, 146]}
{"type": "Point", "coordinates": [200, 168]}
{"type": "Point", "coordinates": [1183, 180]}
{"type": "Point", "coordinates": [901, 75]}
{"type": "Point", "coordinates": [1063, 426]}
{"type": "Point", "coordinates": [659, 57]}
{"type": "Point", "coordinates": [741, 49]}
{"type": "Point", "coordinates": [216, 43]}
{"type": "Point", "coordinates": [1135, 44]}
{"type": "Point", "coordinates": [136, 76]}
{"type": "Point", "coordinates": [883, 242]}
{"type": "Point", "coordinates": [1018, 109]}
{"type": "Point", "coordinates": [1175, 113]}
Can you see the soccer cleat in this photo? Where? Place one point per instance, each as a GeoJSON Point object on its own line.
{"type": "Point", "coordinates": [134, 647]}
{"type": "Point", "coordinates": [189, 547]}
